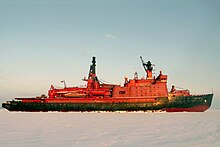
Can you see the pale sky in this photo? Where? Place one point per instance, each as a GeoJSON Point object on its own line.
{"type": "Point", "coordinates": [45, 41]}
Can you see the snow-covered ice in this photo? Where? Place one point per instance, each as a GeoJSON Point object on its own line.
{"type": "Point", "coordinates": [109, 129]}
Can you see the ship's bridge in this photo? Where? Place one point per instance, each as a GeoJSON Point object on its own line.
{"type": "Point", "coordinates": [149, 87]}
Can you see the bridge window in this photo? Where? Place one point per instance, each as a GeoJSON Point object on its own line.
{"type": "Point", "coordinates": [121, 92]}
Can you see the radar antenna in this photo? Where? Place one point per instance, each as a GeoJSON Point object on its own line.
{"type": "Point", "coordinates": [147, 65]}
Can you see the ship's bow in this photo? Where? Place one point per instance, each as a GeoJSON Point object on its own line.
{"type": "Point", "coordinates": [192, 103]}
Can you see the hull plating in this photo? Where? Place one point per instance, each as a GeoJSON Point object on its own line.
{"type": "Point", "coordinates": [176, 104]}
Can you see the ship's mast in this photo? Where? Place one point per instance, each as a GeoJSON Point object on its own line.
{"type": "Point", "coordinates": [93, 81]}
{"type": "Point", "coordinates": [148, 67]}
{"type": "Point", "coordinates": [92, 70]}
